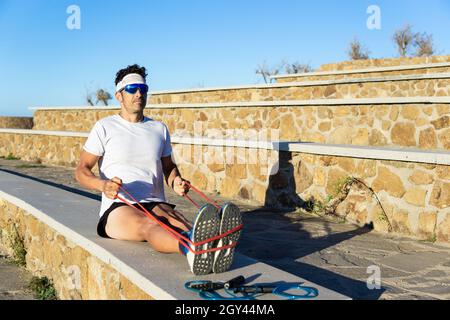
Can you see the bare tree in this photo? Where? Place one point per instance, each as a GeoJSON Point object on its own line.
{"type": "Point", "coordinates": [290, 68]}
{"type": "Point", "coordinates": [103, 96]}
{"type": "Point", "coordinates": [404, 39]}
{"type": "Point", "coordinates": [88, 97]}
{"type": "Point", "coordinates": [357, 51]}
{"type": "Point", "coordinates": [296, 67]}
{"type": "Point", "coordinates": [424, 44]}
{"type": "Point", "coordinates": [266, 72]}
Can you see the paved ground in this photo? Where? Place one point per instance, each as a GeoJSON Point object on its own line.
{"type": "Point", "coordinates": [14, 282]}
{"type": "Point", "coordinates": [335, 255]}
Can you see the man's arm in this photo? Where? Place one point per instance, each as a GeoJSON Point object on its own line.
{"type": "Point", "coordinates": [85, 176]}
{"type": "Point", "coordinates": [171, 172]}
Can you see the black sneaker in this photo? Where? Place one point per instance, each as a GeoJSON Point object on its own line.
{"type": "Point", "coordinates": [231, 218]}
{"type": "Point", "coordinates": [206, 225]}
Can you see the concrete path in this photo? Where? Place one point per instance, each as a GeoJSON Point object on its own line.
{"type": "Point", "coordinates": [334, 255]}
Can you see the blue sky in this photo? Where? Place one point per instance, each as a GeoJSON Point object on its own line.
{"type": "Point", "coordinates": [185, 43]}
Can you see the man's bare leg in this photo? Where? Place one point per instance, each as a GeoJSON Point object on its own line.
{"type": "Point", "coordinates": [174, 217]}
{"type": "Point", "coordinates": [126, 223]}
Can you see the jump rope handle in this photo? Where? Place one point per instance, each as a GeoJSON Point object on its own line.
{"type": "Point", "coordinates": [233, 283]}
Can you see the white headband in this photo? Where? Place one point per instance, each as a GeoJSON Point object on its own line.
{"type": "Point", "coordinates": [132, 78]}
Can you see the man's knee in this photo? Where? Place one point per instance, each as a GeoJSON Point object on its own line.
{"type": "Point", "coordinates": [127, 225]}
{"type": "Point", "coordinates": [145, 227]}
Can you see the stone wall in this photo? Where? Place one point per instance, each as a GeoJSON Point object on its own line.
{"type": "Point", "coordinates": [424, 126]}
{"type": "Point", "coordinates": [360, 75]}
{"type": "Point", "coordinates": [379, 63]}
{"type": "Point", "coordinates": [54, 150]}
{"type": "Point", "coordinates": [16, 122]}
{"type": "Point", "coordinates": [75, 273]}
{"type": "Point", "coordinates": [405, 88]}
{"type": "Point", "coordinates": [416, 197]}
{"type": "Point", "coordinates": [373, 63]}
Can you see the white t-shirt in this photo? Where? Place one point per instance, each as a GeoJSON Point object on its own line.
{"type": "Point", "coordinates": [131, 152]}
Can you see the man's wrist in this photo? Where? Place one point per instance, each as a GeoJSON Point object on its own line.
{"type": "Point", "coordinates": [102, 184]}
{"type": "Point", "coordinates": [173, 181]}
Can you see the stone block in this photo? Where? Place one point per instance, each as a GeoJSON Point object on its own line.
{"type": "Point", "coordinates": [415, 196]}
{"type": "Point", "coordinates": [403, 134]}
{"type": "Point", "coordinates": [443, 172]}
{"type": "Point", "coordinates": [303, 178]}
{"type": "Point", "coordinates": [440, 196]}
{"type": "Point", "coordinates": [427, 224]}
{"type": "Point", "coordinates": [444, 138]}
{"type": "Point", "coordinates": [400, 221]}
{"type": "Point", "coordinates": [443, 230]}
{"type": "Point", "coordinates": [376, 138]}
{"type": "Point", "coordinates": [420, 177]}
{"type": "Point", "coordinates": [428, 139]}
{"type": "Point", "coordinates": [388, 181]}
{"type": "Point", "coordinates": [229, 187]}
{"type": "Point", "coordinates": [410, 112]}
{"type": "Point", "coordinates": [366, 168]}
{"type": "Point", "coordinates": [335, 177]}
{"type": "Point", "coordinates": [441, 123]}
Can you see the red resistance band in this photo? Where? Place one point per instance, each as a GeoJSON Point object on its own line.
{"type": "Point", "coordinates": [179, 236]}
{"type": "Point", "coordinates": [202, 195]}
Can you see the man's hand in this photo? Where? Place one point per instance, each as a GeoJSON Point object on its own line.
{"type": "Point", "coordinates": [111, 187]}
{"type": "Point", "coordinates": [180, 186]}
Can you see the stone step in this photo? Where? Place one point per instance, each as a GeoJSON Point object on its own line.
{"type": "Point", "coordinates": [432, 84]}
{"type": "Point", "coordinates": [354, 72]}
{"type": "Point", "coordinates": [19, 146]}
{"type": "Point", "coordinates": [82, 265]}
{"type": "Point", "coordinates": [16, 122]}
{"type": "Point", "coordinates": [418, 122]}
{"type": "Point", "coordinates": [384, 62]}
{"type": "Point", "coordinates": [413, 185]}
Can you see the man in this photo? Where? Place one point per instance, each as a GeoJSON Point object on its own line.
{"type": "Point", "coordinates": [133, 152]}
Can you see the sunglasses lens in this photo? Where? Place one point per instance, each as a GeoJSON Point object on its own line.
{"type": "Point", "coordinates": [133, 88]}
{"type": "Point", "coordinates": [144, 88]}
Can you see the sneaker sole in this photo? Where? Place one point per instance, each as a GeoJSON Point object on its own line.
{"type": "Point", "coordinates": [231, 218]}
{"type": "Point", "coordinates": [206, 225]}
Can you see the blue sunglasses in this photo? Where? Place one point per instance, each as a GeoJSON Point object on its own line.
{"type": "Point", "coordinates": [133, 88]}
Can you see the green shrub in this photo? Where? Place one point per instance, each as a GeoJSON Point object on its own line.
{"type": "Point", "coordinates": [18, 247]}
{"type": "Point", "coordinates": [43, 288]}
{"type": "Point", "coordinates": [11, 157]}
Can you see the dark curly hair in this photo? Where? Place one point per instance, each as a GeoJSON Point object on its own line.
{"type": "Point", "coordinates": [130, 69]}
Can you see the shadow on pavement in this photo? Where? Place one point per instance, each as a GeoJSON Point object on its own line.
{"type": "Point", "coordinates": [56, 185]}
{"type": "Point", "coordinates": [272, 237]}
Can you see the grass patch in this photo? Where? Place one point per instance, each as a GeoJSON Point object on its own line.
{"type": "Point", "coordinates": [340, 191]}
{"type": "Point", "coordinates": [11, 157]}
{"type": "Point", "coordinates": [26, 166]}
{"type": "Point", "coordinates": [42, 288]}
{"type": "Point", "coordinates": [432, 238]}
{"type": "Point", "coordinates": [18, 247]}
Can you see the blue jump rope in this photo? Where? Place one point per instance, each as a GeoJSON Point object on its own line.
{"type": "Point", "coordinates": [235, 290]}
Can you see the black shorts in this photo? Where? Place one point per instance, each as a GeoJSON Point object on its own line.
{"type": "Point", "coordinates": [101, 227]}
